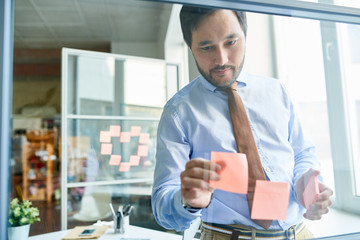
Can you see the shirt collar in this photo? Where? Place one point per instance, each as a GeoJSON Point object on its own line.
{"type": "Point", "coordinates": [241, 79]}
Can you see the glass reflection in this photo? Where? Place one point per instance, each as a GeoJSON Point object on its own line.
{"type": "Point", "coordinates": [102, 150]}
{"type": "Point", "coordinates": [109, 86]}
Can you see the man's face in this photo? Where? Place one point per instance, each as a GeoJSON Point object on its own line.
{"type": "Point", "coordinates": [218, 46]}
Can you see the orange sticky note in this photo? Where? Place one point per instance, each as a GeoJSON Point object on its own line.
{"type": "Point", "coordinates": [271, 200]}
{"type": "Point", "coordinates": [135, 131]}
{"type": "Point", "coordinates": [143, 150]}
{"type": "Point", "coordinates": [234, 172]}
{"type": "Point", "coordinates": [115, 159]}
{"type": "Point", "coordinates": [144, 138]}
{"type": "Point", "coordinates": [134, 160]}
{"type": "Point", "coordinates": [125, 137]}
{"type": "Point", "coordinates": [106, 149]}
{"type": "Point", "coordinates": [311, 191]}
{"type": "Point", "coordinates": [124, 167]}
{"type": "Point", "coordinates": [115, 130]}
{"type": "Point", "coordinates": [105, 136]}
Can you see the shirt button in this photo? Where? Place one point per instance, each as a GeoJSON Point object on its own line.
{"type": "Point", "coordinates": [268, 169]}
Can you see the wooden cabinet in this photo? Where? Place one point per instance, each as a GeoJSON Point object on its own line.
{"type": "Point", "coordinates": [40, 168]}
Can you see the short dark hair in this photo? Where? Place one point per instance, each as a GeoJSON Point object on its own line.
{"type": "Point", "coordinates": [190, 18]}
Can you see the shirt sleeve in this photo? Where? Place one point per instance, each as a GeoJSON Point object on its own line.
{"type": "Point", "coordinates": [304, 151]}
{"type": "Point", "coordinates": [172, 153]}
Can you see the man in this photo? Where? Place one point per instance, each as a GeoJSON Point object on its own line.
{"type": "Point", "coordinates": [197, 121]}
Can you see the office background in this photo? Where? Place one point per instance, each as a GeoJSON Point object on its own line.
{"type": "Point", "coordinates": [318, 60]}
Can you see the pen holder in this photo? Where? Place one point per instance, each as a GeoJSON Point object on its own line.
{"type": "Point", "coordinates": [121, 224]}
{"type": "Point", "coordinates": [125, 224]}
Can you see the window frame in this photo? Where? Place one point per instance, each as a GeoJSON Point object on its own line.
{"type": "Point", "coordinates": [294, 8]}
{"type": "Point", "coordinates": [6, 66]}
{"type": "Point", "coordinates": [279, 7]}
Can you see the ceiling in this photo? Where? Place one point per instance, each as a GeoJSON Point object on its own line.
{"type": "Point", "coordinates": [87, 23]}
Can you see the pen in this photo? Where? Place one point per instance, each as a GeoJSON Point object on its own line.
{"type": "Point", "coordinates": [128, 210]}
{"type": "Point", "coordinates": [120, 210]}
{"type": "Point", "coordinates": [112, 209]}
{"type": "Point", "coordinates": [118, 219]}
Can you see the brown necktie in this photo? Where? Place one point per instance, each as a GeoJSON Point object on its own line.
{"type": "Point", "coordinates": [246, 144]}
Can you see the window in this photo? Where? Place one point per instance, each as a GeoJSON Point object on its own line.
{"type": "Point", "coordinates": [111, 107]}
{"type": "Point", "coordinates": [328, 105]}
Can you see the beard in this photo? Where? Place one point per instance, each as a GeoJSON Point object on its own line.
{"type": "Point", "coordinates": [221, 84]}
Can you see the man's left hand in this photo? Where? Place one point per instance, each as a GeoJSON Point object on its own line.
{"type": "Point", "coordinates": [322, 203]}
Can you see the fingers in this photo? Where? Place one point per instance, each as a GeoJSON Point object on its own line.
{"type": "Point", "coordinates": [202, 163]}
{"type": "Point", "coordinates": [198, 172]}
{"type": "Point", "coordinates": [195, 187]}
{"type": "Point", "coordinates": [302, 182]}
{"type": "Point", "coordinates": [188, 182]}
{"type": "Point", "coordinates": [317, 209]}
{"type": "Point", "coordinates": [311, 172]}
{"type": "Point", "coordinates": [324, 194]}
{"type": "Point", "coordinates": [322, 204]}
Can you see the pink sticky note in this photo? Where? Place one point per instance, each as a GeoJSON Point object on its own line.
{"type": "Point", "coordinates": [105, 136]}
{"type": "Point", "coordinates": [271, 200]}
{"type": "Point", "coordinates": [125, 137]}
{"type": "Point", "coordinates": [234, 172]}
{"type": "Point", "coordinates": [124, 167]}
{"type": "Point", "coordinates": [311, 191]}
{"type": "Point", "coordinates": [143, 150]}
{"type": "Point", "coordinates": [144, 138]}
{"type": "Point", "coordinates": [135, 131]}
{"type": "Point", "coordinates": [115, 130]}
{"type": "Point", "coordinates": [134, 160]}
{"type": "Point", "coordinates": [106, 149]}
{"type": "Point", "coordinates": [115, 160]}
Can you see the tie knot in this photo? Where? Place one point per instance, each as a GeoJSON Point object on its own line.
{"type": "Point", "coordinates": [232, 87]}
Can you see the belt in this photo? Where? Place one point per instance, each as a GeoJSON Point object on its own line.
{"type": "Point", "coordinates": [246, 232]}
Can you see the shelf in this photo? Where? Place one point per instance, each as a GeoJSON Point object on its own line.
{"type": "Point", "coordinates": [41, 187]}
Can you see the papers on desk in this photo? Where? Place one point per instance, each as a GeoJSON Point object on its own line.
{"type": "Point", "coordinates": [75, 233]}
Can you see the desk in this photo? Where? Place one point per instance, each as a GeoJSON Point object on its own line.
{"type": "Point", "coordinates": [134, 232]}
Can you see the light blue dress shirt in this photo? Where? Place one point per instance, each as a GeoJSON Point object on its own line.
{"type": "Point", "coordinates": [196, 121]}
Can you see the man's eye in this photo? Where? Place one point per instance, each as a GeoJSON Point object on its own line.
{"type": "Point", "coordinates": [207, 48]}
{"type": "Point", "coordinates": [232, 42]}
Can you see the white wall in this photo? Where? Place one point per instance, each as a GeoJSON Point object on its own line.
{"type": "Point", "coordinates": [174, 47]}
{"type": "Point", "coordinates": [260, 50]}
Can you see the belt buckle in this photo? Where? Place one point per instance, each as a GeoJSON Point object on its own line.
{"type": "Point", "coordinates": [236, 232]}
{"type": "Point", "coordinates": [290, 235]}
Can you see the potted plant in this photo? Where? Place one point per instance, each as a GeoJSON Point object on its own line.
{"type": "Point", "coordinates": [21, 215]}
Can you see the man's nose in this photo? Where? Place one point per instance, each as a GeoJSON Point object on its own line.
{"type": "Point", "coordinates": [221, 57]}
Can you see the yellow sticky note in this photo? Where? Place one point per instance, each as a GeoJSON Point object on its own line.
{"type": "Point", "coordinates": [234, 172]}
{"type": "Point", "coordinates": [271, 200]}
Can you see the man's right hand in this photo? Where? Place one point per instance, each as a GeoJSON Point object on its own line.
{"type": "Point", "coordinates": [195, 187]}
